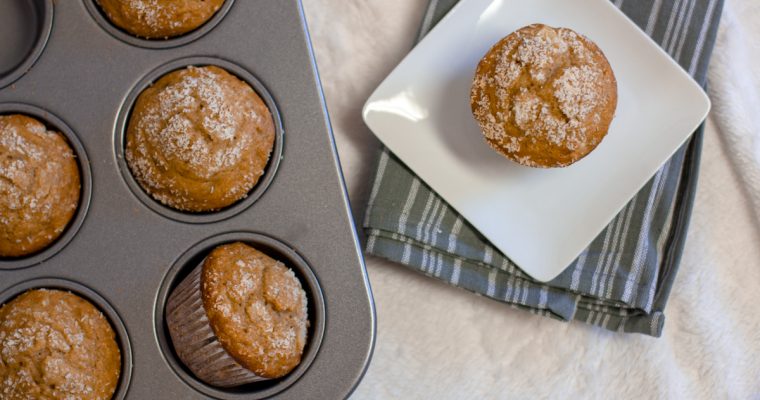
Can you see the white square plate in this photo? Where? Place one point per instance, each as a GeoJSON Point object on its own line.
{"type": "Point", "coordinates": [541, 219]}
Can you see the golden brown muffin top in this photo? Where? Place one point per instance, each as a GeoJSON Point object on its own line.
{"type": "Point", "coordinates": [159, 19]}
{"type": "Point", "coordinates": [199, 139]}
{"type": "Point", "coordinates": [256, 307]}
{"type": "Point", "coordinates": [56, 345]}
{"type": "Point", "coordinates": [543, 96]}
{"type": "Point", "coordinates": [39, 185]}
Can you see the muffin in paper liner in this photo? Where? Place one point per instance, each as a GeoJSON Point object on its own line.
{"type": "Point", "coordinates": [239, 317]}
{"type": "Point", "coordinates": [194, 340]}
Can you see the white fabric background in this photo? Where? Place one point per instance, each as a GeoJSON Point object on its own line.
{"type": "Point", "coordinates": [435, 341]}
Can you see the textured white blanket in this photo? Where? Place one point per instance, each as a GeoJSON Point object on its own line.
{"type": "Point", "coordinates": [735, 92]}
{"type": "Point", "coordinates": [435, 341]}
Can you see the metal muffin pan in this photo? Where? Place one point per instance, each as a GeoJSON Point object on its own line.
{"type": "Point", "coordinates": [124, 251]}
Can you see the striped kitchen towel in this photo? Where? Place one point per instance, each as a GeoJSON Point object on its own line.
{"type": "Point", "coordinates": [622, 280]}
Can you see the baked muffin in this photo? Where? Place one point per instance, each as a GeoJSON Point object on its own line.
{"type": "Point", "coordinates": [159, 19]}
{"type": "Point", "coordinates": [239, 317]}
{"type": "Point", "coordinates": [543, 96]}
{"type": "Point", "coordinates": [56, 345]}
{"type": "Point", "coordinates": [39, 185]}
{"type": "Point", "coordinates": [198, 139]}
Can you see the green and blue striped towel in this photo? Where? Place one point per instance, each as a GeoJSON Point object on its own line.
{"type": "Point", "coordinates": [623, 279]}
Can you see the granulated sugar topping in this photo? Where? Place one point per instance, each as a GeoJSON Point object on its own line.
{"type": "Point", "coordinates": [155, 13]}
{"type": "Point", "coordinates": [576, 91]}
{"type": "Point", "coordinates": [208, 148]}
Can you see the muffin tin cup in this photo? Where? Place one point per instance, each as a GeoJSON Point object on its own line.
{"type": "Point", "coordinates": [85, 175]}
{"type": "Point", "coordinates": [27, 42]}
{"type": "Point", "coordinates": [179, 302]}
{"type": "Point", "coordinates": [194, 340]}
{"type": "Point", "coordinates": [122, 338]}
{"type": "Point", "coordinates": [100, 17]}
{"type": "Point", "coordinates": [264, 181]}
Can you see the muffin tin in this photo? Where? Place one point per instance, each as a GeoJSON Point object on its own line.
{"type": "Point", "coordinates": [123, 251]}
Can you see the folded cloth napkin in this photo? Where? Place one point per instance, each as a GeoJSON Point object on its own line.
{"type": "Point", "coordinates": [622, 280]}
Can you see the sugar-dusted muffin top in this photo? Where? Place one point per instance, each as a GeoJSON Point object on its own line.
{"type": "Point", "coordinates": [159, 19]}
{"type": "Point", "coordinates": [39, 185]}
{"type": "Point", "coordinates": [256, 307]}
{"type": "Point", "coordinates": [543, 96]}
{"type": "Point", "coordinates": [56, 345]}
{"type": "Point", "coordinates": [199, 139]}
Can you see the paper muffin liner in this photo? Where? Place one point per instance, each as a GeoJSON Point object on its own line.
{"type": "Point", "coordinates": [195, 341]}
